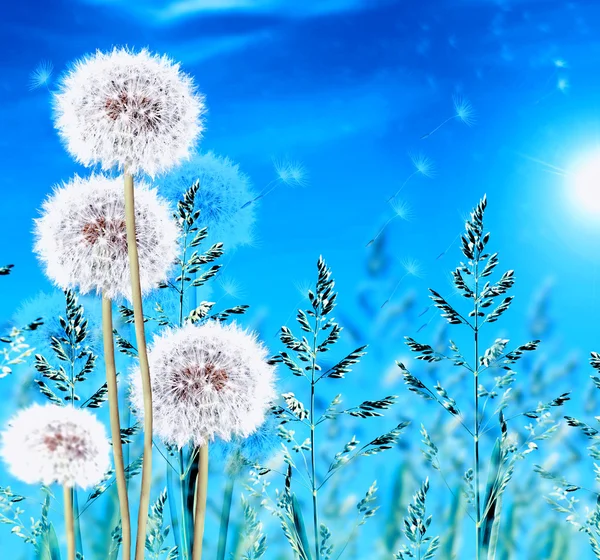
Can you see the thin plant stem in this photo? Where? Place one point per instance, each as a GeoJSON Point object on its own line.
{"type": "Point", "coordinates": [225, 518]}
{"type": "Point", "coordinates": [315, 498]}
{"type": "Point", "coordinates": [140, 335]}
{"type": "Point", "coordinates": [403, 185]}
{"type": "Point", "coordinates": [382, 230]}
{"type": "Point", "coordinates": [185, 553]}
{"type": "Point", "coordinates": [477, 419]}
{"type": "Point", "coordinates": [69, 522]}
{"type": "Point", "coordinates": [115, 425]}
{"type": "Point", "coordinates": [437, 127]}
{"type": "Point", "coordinates": [200, 507]}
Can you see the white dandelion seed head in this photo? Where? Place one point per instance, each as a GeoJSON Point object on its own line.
{"type": "Point", "coordinates": [223, 191]}
{"type": "Point", "coordinates": [412, 267]}
{"type": "Point", "coordinates": [47, 444]}
{"type": "Point", "coordinates": [123, 109]}
{"type": "Point", "coordinates": [41, 75]}
{"type": "Point", "coordinates": [291, 172]}
{"type": "Point", "coordinates": [423, 165]}
{"type": "Point", "coordinates": [402, 209]}
{"type": "Point", "coordinates": [208, 381]}
{"type": "Point", "coordinates": [81, 237]}
{"type": "Point", "coordinates": [464, 110]}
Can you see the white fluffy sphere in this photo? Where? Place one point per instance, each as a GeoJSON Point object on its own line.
{"type": "Point", "coordinates": [208, 381]}
{"type": "Point", "coordinates": [128, 110]}
{"type": "Point", "coordinates": [59, 444]}
{"type": "Point", "coordinates": [81, 237]}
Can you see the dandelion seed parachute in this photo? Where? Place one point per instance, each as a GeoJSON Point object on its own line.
{"type": "Point", "coordinates": [81, 237]}
{"type": "Point", "coordinates": [223, 191]}
{"type": "Point", "coordinates": [128, 110]}
{"type": "Point", "coordinates": [209, 381]}
{"type": "Point", "coordinates": [50, 443]}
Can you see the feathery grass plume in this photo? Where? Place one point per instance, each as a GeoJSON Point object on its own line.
{"type": "Point", "coordinates": [471, 278]}
{"type": "Point", "coordinates": [134, 111]}
{"type": "Point", "coordinates": [401, 210]}
{"type": "Point", "coordinates": [208, 381]}
{"type": "Point", "coordinates": [81, 238]}
{"type": "Point", "coordinates": [423, 166]}
{"type": "Point", "coordinates": [41, 75]}
{"type": "Point", "coordinates": [56, 444]}
{"type": "Point", "coordinates": [223, 190]}
{"type": "Point", "coordinates": [416, 524]}
{"type": "Point", "coordinates": [47, 307]}
{"type": "Point", "coordinates": [305, 361]}
{"type": "Point", "coordinates": [288, 172]}
{"type": "Point", "coordinates": [564, 497]}
{"type": "Point", "coordinates": [463, 111]}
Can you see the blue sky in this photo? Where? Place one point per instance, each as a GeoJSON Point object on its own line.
{"type": "Point", "coordinates": [348, 88]}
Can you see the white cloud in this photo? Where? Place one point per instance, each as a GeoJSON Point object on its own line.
{"type": "Point", "coordinates": [172, 11]}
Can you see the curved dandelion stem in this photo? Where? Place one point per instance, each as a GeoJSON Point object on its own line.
{"type": "Point", "coordinates": [115, 425]}
{"type": "Point", "coordinates": [438, 127]}
{"type": "Point", "coordinates": [140, 335]}
{"type": "Point", "coordinates": [403, 185]}
{"type": "Point", "coordinates": [201, 495]}
{"type": "Point", "coordinates": [394, 291]}
{"type": "Point", "coordinates": [382, 229]}
{"type": "Point", "coordinates": [262, 193]}
{"type": "Point", "coordinates": [69, 522]}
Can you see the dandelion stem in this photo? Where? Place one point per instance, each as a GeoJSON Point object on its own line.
{"type": "Point", "coordinates": [201, 495]}
{"type": "Point", "coordinates": [438, 127]}
{"type": "Point", "coordinates": [225, 517]}
{"type": "Point", "coordinates": [381, 230]}
{"type": "Point", "coordinates": [69, 522]}
{"type": "Point", "coordinates": [115, 424]}
{"type": "Point", "coordinates": [140, 336]}
{"type": "Point", "coordinates": [403, 185]}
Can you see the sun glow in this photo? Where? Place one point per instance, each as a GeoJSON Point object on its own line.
{"type": "Point", "coordinates": [584, 184]}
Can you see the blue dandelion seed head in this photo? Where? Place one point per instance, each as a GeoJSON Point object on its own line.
{"type": "Point", "coordinates": [224, 189]}
{"type": "Point", "coordinates": [49, 306]}
{"type": "Point", "coordinates": [259, 447]}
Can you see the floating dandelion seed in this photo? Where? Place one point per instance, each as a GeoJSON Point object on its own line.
{"type": "Point", "coordinates": [423, 165]}
{"type": "Point", "coordinates": [131, 111]}
{"type": "Point", "coordinates": [560, 63]}
{"type": "Point", "coordinates": [412, 267]}
{"type": "Point", "coordinates": [463, 110]}
{"type": "Point", "coordinates": [81, 237]}
{"type": "Point", "coordinates": [231, 287]}
{"type": "Point", "coordinates": [59, 444]}
{"type": "Point", "coordinates": [291, 173]}
{"type": "Point", "coordinates": [402, 210]}
{"type": "Point", "coordinates": [41, 75]}
{"type": "Point", "coordinates": [208, 381]}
